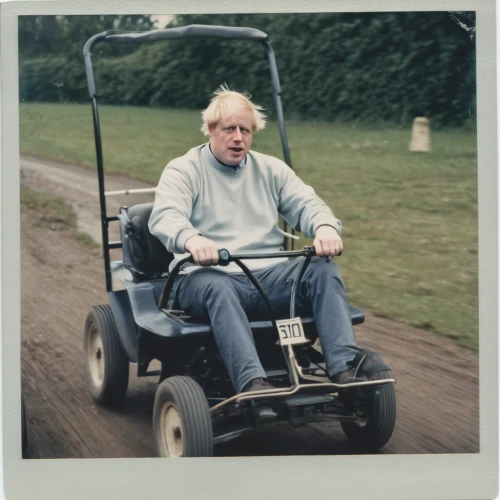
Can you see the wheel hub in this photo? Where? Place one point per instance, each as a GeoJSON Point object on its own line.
{"type": "Point", "coordinates": [171, 430]}
{"type": "Point", "coordinates": [96, 357]}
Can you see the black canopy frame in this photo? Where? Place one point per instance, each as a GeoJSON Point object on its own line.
{"type": "Point", "coordinates": [178, 33]}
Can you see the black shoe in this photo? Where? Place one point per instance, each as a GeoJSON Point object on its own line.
{"type": "Point", "coordinates": [257, 384]}
{"type": "Point", "coordinates": [347, 377]}
{"type": "Point", "coordinates": [263, 412]}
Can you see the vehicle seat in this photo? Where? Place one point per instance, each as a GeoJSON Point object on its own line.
{"type": "Point", "coordinates": [142, 252]}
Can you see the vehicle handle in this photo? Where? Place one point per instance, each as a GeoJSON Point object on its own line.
{"type": "Point", "coordinates": [225, 258]}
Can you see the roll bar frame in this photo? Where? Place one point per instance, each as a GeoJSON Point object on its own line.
{"type": "Point", "coordinates": [178, 33]}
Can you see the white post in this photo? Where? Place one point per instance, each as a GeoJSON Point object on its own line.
{"type": "Point", "coordinates": [420, 135]}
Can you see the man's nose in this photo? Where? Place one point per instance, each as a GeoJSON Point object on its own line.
{"type": "Point", "coordinates": [237, 134]}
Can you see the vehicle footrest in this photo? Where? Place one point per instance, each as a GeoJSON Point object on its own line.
{"type": "Point", "coordinates": [307, 399]}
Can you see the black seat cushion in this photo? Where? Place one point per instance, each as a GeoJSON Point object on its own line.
{"type": "Point", "coordinates": [142, 251]}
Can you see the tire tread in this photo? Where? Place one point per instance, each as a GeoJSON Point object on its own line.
{"type": "Point", "coordinates": [116, 367]}
{"type": "Point", "coordinates": [378, 430]}
{"type": "Point", "coordinates": [194, 411]}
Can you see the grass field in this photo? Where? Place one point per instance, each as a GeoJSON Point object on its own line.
{"type": "Point", "coordinates": [410, 219]}
{"type": "Point", "coordinates": [53, 213]}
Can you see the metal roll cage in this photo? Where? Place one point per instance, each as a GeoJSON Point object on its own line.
{"type": "Point", "coordinates": [319, 389]}
{"type": "Point", "coordinates": [179, 33]}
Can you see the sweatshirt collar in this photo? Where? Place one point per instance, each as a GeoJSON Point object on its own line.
{"type": "Point", "coordinates": [209, 156]}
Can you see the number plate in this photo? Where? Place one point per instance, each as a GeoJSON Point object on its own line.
{"type": "Point", "coordinates": [291, 331]}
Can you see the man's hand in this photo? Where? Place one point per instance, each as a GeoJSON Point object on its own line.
{"type": "Point", "coordinates": [202, 249]}
{"type": "Point", "coordinates": [327, 242]}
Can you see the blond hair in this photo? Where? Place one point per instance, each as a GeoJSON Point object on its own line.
{"type": "Point", "coordinates": [218, 105]}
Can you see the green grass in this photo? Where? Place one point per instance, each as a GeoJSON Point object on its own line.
{"type": "Point", "coordinates": [86, 239]}
{"type": "Point", "coordinates": [410, 219]}
{"type": "Point", "coordinates": [51, 212]}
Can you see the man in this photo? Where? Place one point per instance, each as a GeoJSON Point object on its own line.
{"type": "Point", "coordinates": [223, 195]}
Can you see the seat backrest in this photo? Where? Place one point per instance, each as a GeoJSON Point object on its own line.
{"type": "Point", "coordinates": [142, 251]}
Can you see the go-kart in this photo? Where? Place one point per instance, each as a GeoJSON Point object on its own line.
{"type": "Point", "coordinates": [195, 405]}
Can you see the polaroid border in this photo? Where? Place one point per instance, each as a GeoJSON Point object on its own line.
{"type": "Point", "coordinates": [459, 476]}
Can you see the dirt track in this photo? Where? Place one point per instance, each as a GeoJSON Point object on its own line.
{"type": "Point", "coordinates": [437, 382]}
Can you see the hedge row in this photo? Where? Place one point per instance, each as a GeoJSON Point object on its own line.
{"type": "Point", "coordinates": [369, 67]}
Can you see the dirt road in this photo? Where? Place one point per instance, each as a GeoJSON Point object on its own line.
{"type": "Point", "coordinates": [437, 382]}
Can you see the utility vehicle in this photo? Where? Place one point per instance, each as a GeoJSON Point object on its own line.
{"type": "Point", "coordinates": [195, 405]}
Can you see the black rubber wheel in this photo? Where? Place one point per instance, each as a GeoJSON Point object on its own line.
{"type": "Point", "coordinates": [24, 427]}
{"type": "Point", "coordinates": [376, 422]}
{"type": "Point", "coordinates": [106, 365]}
{"type": "Point", "coordinates": [182, 423]}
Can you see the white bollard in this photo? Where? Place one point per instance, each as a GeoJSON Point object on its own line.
{"type": "Point", "coordinates": [420, 135]}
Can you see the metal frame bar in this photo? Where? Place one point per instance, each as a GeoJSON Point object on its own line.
{"type": "Point", "coordinates": [224, 259]}
{"type": "Point", "coordinates": [288, 391]}
{"type": "Point", "coordinates": [184, 32]}
{"type": "Point", "coordinates": [130, 191]}
{"type": "Point", "coordinates": [102, 197]}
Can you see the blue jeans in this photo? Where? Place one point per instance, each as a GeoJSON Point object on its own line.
{"type": "Point", "coordinates": [227, 298]}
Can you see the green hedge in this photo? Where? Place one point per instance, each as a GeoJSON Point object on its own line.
{"type": "Point", "coordinates": [369, 67]}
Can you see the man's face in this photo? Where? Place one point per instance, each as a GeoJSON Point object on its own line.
{"type": "Point", "coordinates": [232, 137]}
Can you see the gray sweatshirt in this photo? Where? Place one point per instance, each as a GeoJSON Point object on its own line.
{"type": "Point", "coordinates": [238, 208]}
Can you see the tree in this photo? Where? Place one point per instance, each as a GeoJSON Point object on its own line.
{"type": "Point", "coordinates": [332, 66]}
{"type": "Point", "coordinates": [48, 36]}
{"type": "Point", "coordinates": [38, 36]}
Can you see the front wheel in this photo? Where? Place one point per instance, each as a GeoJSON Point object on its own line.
{"type": "Point", "coordinates": [182, 423]}
{"type": "Point", "coordinates": [375, 409]}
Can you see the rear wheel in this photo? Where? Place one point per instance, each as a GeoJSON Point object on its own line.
{"type": "Point", "coordinates": [182, 423]}
{"type": "Point", "coordinates": [106, 365]}
{"type": "Point", "coordinates": [375, 409]}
